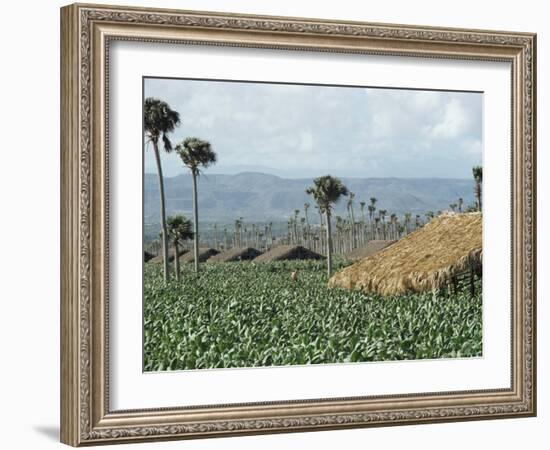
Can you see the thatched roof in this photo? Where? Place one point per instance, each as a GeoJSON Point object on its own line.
{"type": "Point", "coordinates": [370, 248]}
{"type": "Point", "coordinates": [147, 256]}
{"type": "Point", "coordinates": [158, 259]}
{"type": "Point", "coordinates": [204, 254]}
{"type": "Point", "coordinates": [421, 261]}
{"type": "Point", "coordinates": [235, 254]}
{"type": "Point", "coordinates": [287, 252]}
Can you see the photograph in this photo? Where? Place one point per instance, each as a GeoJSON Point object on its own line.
{"type": "Point", "coordinates": [292, 224]}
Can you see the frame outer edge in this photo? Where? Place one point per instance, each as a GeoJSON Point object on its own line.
{"type": "Point", "coordinates": [79, 424]}
{"type": "Point", "coordinates": [533, 281]}
{"type": "Point", "coordinates": [69, 186]}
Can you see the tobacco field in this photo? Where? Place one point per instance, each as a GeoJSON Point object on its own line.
{"type": "Point", "coordinates": [247, 315]}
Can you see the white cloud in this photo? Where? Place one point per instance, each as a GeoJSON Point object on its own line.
{"type": "Point", "coordinates": [453, 123]}
{"type": "Point", "coordinates": [319, 129]}
{"type": "Point", "coordinates": [306, 142]}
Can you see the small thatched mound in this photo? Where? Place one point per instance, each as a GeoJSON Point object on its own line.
{"type": "Point", "coordinates": [426, 259]}
{"type": "Point", "coordinates": [204, 254]}
{"type": "Point", "coordinates": [369, 249]}
{"type": "Point", "coordinates": [147, 256]}
{"type": "Point", "coordinates": [287, 252]}
{"type": "Point", "coordinates": [235, 254]}
{"type": "Point", "coordinates": [158, 259]}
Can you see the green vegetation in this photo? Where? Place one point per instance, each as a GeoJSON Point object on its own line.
{"type": "Point", "coordinates": [246, 315]}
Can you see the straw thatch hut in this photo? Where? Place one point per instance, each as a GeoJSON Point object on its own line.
{"type": "Point", "coordinates": [287, 252]}
{"type": "Point", "coordinates": [204, 254]}
{"type": "Point", "coordinates": [147, 256]}
{"type": "Point", "coordinates": [158, 259]}
{"type": "Point", "coordinates": [235, 254]}
{"type": "Point", "coordinates": [369, 249]}
{"type": "Point", "coordinates": [431, 257]}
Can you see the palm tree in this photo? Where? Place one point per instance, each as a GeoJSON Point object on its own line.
{"type": "Point", "coordinates": [295, 223]}
{"type": "Point", "coordinates": [376, 227]}
{"type": "Point", "coordinates": [216, 242]}
{"type": "Point", "coordinates": [179, 229]}
{"type": "Point", "coordinates": [159, 120]}
{"type": "Point", "coordinates": [393, 223]}
{"type": "Point", "coordinates": [236, 237]}
{"type": "Point", "coordinates": [477, 171]}
{"type": "Point", "coordinates": [362, 237]}
{"type": "Point", "coordinates": [196, 154]}
{"type": "Point", "coordinates": [270, 235]}
{"type": "Point", "coordinates": [460, 204]}
{"type": "Point", "coordinates": [382, 213]}
{"type": "Point", "coordinates": [327, 190]}
{"type": "Point", "coordinates": [306, 207]}
{"type": "Point", "coordinates": [372, 206]}
{"type": "Point", "coordinates": [351, 196]}
{"type": "Point", "coordinates": [372, 209]}
{"type": "Point", "coordinates": [407, 221]}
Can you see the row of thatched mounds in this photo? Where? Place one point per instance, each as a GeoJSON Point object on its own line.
{"type": "Point", "coordinates": [235, 254]}
{"type": "Point", "coordinates": [369, 249]}
{"type": "Point", "coordinates": [287, 252]}
{"type": "Point", "coordinates": [158, 259]}
{"type": "Point", "coordinates": [433, 257]}
{"type": "Point", "coordinates": [204, 254]}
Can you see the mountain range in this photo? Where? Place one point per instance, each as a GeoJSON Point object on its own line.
{"type": "Point", "coordinates": [264, 197]}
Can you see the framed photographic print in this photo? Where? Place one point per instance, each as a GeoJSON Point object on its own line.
{"type": "Point", "coordinates": [277, 224]}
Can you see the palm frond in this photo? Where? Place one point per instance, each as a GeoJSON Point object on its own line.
{"type": "Point", "coordinates": [180, 228]}
{"type": "Point", "coordinates": [167, 143]}
{"type": "Point", "coordinates": [159, 120]}
{"type": "Point", "coordinates": [327, 190]}
{"type": "Point", "coordinates": [196, 153]}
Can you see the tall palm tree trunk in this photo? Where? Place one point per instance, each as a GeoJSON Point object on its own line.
{"type": "Point", "coordinates": [352, 229]}
{"type": "Point", "coordinates": [329, 245]}
{"type": "Point", "coordinates": [162, 214]}
{"type": "Point", "coordinates": [196, 222]}
{"type": "Point", "coordinates": [478, 194]}
{"type": "Point", "coordinates": [177, 260]}
{"type": "Point", "coordinates": [307, 232]}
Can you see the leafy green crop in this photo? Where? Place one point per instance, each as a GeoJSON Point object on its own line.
{"type": "Point", "coordinates": [247, 315]}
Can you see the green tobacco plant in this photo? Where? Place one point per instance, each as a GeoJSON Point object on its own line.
{"type": "Point", "coordinates": [243, 314]}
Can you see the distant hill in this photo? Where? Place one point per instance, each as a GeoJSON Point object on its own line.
{"type": "Point", "coordinates": [262, 197]}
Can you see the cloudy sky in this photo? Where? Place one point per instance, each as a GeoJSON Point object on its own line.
{"type": "Point", "coordinates": [300, 131]}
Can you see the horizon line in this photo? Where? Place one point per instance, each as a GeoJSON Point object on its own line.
{"type": "Point", "coordinates": [307, 177]}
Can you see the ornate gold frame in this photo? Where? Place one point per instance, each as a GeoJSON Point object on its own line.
{"type": "Point", "coordinates": [86, 31]}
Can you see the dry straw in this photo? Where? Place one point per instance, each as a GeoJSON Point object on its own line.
{"type": "Point", "coordinates": [204, 254]}
{"type": "Point", "coordinates": [287, 252]}
{"type": "Point", "coordinates": [235, 254]}
{"type": "Point", "coordinates": [158, 259]}
{"type": "Point", "coordinates": [369, 249]}
{"type": "Point", "coordinates": [424, 260]}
